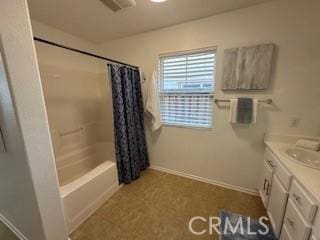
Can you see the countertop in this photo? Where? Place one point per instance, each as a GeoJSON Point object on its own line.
{"type": "Point", "coordinates": [308, 177]}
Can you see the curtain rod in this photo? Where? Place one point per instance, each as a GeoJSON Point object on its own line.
{"type": "Point", "coordinates": [82, 52]}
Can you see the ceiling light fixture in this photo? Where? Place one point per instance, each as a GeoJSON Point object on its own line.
{"type": "Point", "coordinates": [158, 1]}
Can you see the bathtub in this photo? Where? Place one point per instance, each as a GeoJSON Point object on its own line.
{"type": "Point", "coordinates": [86, 182]}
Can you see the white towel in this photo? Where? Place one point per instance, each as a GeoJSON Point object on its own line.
{"type": "Point", "coordinates": [255, 111]}
{"type": "Point", "coordinates": [308, 144]}
{"type": "Point", "coordinates": [234, 111]}
{"type": "Point", "coordinates": [153, 102]}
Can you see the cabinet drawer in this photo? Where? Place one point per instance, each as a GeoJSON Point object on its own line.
{"type": "Point", "coordinates": [295, 223]}
{"type": "Point", "coordinates": [285, 235]}
{"type": "Point", "coordinates": [303, 202]}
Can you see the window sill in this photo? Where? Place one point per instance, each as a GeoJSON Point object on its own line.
{"type": "Point", "coordinates": [187, 127]}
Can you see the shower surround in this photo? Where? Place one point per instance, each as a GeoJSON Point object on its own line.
{"type": "Point", "coordinates": [79, 106]}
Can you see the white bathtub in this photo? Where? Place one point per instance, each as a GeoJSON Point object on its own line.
{"type": "Point", "coordinates": [83, 195]}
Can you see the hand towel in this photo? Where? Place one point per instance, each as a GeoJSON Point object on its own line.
{"type": "Point", "coordinates": [313, 145]}
{"type": "Point", "coordinates": [153, 102]}
{"type": "Point", "coordinates": [245, 110]}
{"type": "Point", "coordinates": [233, 110]}
{"type": "Point", "coordinates": [233, 114]}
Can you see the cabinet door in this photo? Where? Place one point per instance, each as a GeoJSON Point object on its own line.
{"type": "Point", "coordinates": [265, 183]}
{"type": "Point", "coordinates": [277, 205]}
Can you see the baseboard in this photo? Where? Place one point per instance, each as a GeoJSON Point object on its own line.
{"type": "Point", "coordinates": [206, 180]}
{"type": "Point", "coordinates": [11, 227]}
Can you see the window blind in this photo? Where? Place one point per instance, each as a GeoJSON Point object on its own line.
{"type": "Point", "coordinates": [186, 89]}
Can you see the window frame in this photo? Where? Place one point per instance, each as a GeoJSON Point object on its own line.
{"type": "Point", "coordinates": [210, 94]}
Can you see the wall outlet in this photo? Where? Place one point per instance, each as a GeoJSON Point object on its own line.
{"type": "Point", "coordinates": [294, 122]}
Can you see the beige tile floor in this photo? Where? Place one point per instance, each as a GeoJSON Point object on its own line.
{"type": "Point", "coordinates": [159, 206]}
{"type": "Point", "coordinates": [5, 233]}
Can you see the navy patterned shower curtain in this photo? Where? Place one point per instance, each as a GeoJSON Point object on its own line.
{"type": "Point", "coordinates": [130, 141]}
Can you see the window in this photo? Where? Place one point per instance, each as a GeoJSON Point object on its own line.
{"type": "Point", "coordinates": [186, 88]}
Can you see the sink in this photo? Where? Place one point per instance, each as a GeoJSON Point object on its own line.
{"type": "Point", "coordinates": [305, 157]}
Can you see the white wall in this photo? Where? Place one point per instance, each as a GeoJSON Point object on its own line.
{"type": "Point", "coordinates": [30, 198]}
{"type": "Point", "coordinates": [52, 34]}
{"type": "Point", "coordinates": [233, 154]}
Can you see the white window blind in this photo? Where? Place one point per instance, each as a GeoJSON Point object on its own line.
{"type": "Point", "coordinates": [186, 88]}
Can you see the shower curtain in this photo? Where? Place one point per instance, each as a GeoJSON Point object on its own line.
{"type": "Point", "coordinates": [130, 141]}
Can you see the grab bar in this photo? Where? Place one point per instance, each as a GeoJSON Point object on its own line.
{"type": "Point", "coordinates": [71, 132]}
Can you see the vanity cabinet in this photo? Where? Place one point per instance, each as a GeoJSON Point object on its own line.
{"type": "Point", "coordinates": [291, 208]}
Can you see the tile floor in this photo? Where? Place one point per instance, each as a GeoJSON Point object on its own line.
{"type": "Point", "coordinates": [160, 205]}
{"type": "Point", "coordinates": [5, 233]}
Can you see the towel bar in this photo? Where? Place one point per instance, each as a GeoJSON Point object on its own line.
{"type": "Point", "coordinates": [268, 101]}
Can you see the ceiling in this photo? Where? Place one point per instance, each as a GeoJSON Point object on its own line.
{"type": "Point", "coordinates": [93, 21]}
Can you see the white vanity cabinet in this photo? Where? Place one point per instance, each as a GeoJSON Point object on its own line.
{"type": "Point", "coordinates": [292, 209]}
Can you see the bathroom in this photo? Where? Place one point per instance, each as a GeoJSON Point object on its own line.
{"type": "Point", "coordinates": [199, 161]}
